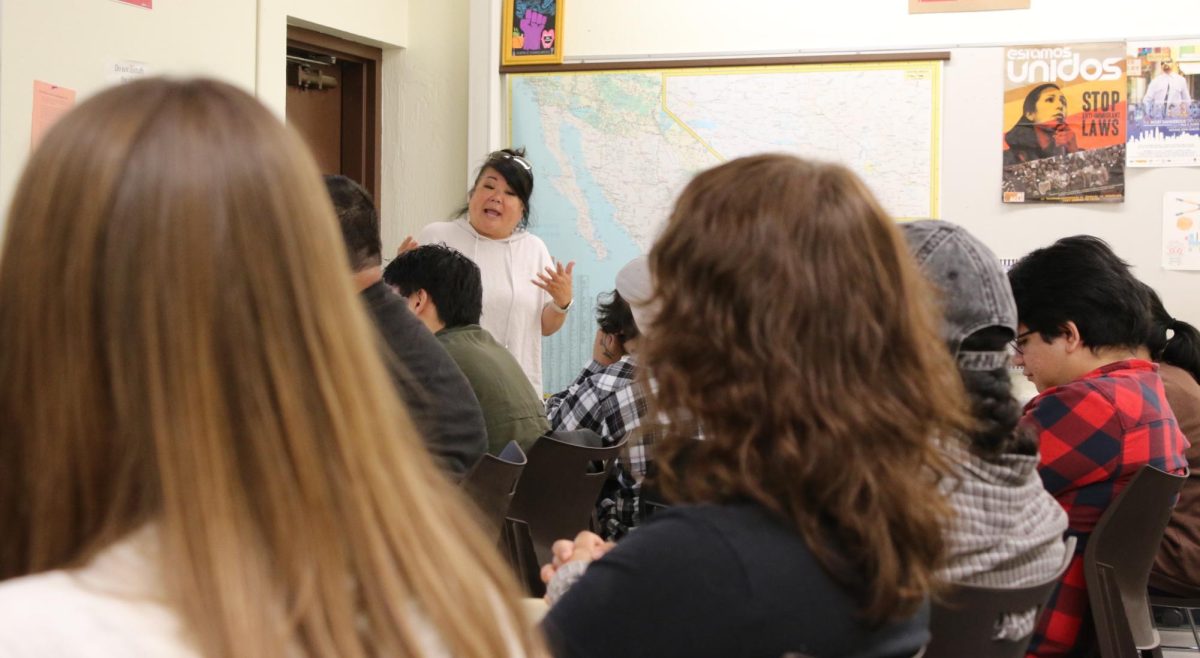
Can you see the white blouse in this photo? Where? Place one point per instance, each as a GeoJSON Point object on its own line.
{"type": "Point", "coordinates": [113, 606]}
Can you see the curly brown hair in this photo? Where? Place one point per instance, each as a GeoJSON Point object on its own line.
{"type": "Point", "coordinates": [796, 329]}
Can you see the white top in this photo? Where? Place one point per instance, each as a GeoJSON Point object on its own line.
{"type": "Point", "coordinates": [113, 606]}
{"type": "Point", "coordinates": [512, 304]}
{"type": "Point", "coordinates": [1166, 94]}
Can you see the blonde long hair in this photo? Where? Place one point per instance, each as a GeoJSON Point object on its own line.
{"type": "Point", "coordinates": [181, 346]}
{"type": "Point", "coordinates": [796, 328]}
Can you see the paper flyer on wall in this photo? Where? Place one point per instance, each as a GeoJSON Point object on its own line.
{"type": "Point", "coordinates": [1181, 231]}
{"type": "Point", "coordinates": [1064, 123]}
{"type": "Point", "coordinates": [1164, 115]}
{"type": "Point", "coordinates": [939, 6]}
{"type": "Point", "coordinates": [50, 103]}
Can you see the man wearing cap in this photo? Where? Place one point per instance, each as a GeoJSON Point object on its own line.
{"type": "Point", "coordinates": [606, 399]}
{"type": "Point", "coordinates": [1101, 413]}
{"type": "Point", "coordinates": [1007, 530]}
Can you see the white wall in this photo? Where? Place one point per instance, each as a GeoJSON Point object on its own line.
{"type": "Point", "coordinates": [484, 129]}
{"type": "Point", "coordinates": [972, 125]}
{"type": "Point", "coordinates": [70, 43]}
{"type": "Point", "coordinates": [381, 23]}
{"type": "Point", "coordinates": [596, 28]}
{"type": "Point", "coordinates": [424, 43]}
{"type": "Point", "coordinates": [635, 29]}
{"type": "Point", "coordinates": [426, 95]}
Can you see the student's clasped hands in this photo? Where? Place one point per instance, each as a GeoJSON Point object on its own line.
{"type": "Point", "coordinates": [588, 546]}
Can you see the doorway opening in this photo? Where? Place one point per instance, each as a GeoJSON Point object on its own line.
{"type": "Point", "coordinates": [334, 102]}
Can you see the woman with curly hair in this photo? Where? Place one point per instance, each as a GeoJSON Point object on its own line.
{"type": "Point", "coordinates": [794, 326]}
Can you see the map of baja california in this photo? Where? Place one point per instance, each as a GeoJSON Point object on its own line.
{"type": "Point", "coordinates": [612, 150]}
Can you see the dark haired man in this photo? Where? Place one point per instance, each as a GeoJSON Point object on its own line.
{"type": "Point", "coordinates": [1101, 413]}
{"type": "Point", "coordinates": [437, 393]}
{"type": "Point", "coordinates": [444, 290]}
{"type": "Point", "coordinates": [607, 399]}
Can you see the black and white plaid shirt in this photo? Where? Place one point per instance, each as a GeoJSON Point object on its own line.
{"type": "Point", "coordinates": [607, 400]}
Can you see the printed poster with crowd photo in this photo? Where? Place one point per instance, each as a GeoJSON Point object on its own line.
{"type": "Point", "coordinates": [1064, 123]}
{"type": "Point", "coordinates": [1164, 117]}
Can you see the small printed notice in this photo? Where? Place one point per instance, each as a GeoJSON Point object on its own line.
{"type": "Point", "coordinates": [1181, 231]}
{"type": "Point", "coordinates": [124, 70]}
{"type": "Point", "coordinates": [1164, 118]}
{"type": "Point", "coordinates": [148, 4]}
{"type": "Point", "coordinates": [50, 102]}
{"type": "Point", "coordinates": [940, 6]}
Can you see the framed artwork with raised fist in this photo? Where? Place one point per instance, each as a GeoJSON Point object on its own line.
{"type": "Point", "coordinates": [532, 32]}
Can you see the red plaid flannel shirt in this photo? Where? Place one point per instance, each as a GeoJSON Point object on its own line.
{"type": "Point", "coordinates": [1094, 434]}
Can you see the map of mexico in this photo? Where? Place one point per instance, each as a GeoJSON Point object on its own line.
{"type": "Point", "coordinates": [616, 147]}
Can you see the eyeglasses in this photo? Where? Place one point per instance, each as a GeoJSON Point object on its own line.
{"type": "Point", "coordinates": [502, 155]}
{"type": "Point", "coordinates": [1015, 343]}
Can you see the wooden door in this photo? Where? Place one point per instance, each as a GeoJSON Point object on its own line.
{"type": "Point", "coordinates": [333, 101]}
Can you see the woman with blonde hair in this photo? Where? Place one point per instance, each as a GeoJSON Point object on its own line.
{"type": "Point", "coordinates": [795, 328]}
{"type": "Point", "coordinates": [202, 453]}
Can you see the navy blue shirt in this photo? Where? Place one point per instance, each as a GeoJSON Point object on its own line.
{"type": "Point", "coordinates": [718, 580]}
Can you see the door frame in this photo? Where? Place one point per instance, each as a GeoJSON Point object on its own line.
{"type": "Point", "coordinates": [362, 87]}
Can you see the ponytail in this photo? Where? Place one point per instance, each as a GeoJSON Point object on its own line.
{"type": "Point", "coordinates": [996, 413]}
{"type": "Point", "coordinates": [1182, 350]}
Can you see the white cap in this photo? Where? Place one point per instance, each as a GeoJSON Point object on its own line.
{"type": "Point", "coordinates": [636, 287]}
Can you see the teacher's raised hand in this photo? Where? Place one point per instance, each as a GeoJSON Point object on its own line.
{"type": "Point", "coordinates": [557, 282]}
{"type": "Point", "coordinates": [408, 245]}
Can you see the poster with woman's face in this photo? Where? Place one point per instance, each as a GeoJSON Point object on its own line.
{"type": "Point", "coordinates": [1164, 115]}
{"type": "Point", "coordinates": [1064, 123]}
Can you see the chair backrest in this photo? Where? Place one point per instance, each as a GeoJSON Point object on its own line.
{"type": "Point", "coordinates": [1179, 612]}
{"type": "Point", "coordinates": [558, 490]}
{"type": "Point", "coordinates": [1117, 562]}
{"type": "Point", "coordinates": [584, 438]}
{"type": "Point", "coordinates": [491, 483]}
{"type": "Point", "coordinates": [963, 622]}
{"type": "Point", "coordinates": [649, 496]}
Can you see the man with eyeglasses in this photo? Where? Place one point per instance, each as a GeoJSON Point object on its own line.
{"type": "Point", "coordinates": [1100, 413]}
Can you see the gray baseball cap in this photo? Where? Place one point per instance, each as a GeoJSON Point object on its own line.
{"type": "Point", "coordinates": [974, 287]}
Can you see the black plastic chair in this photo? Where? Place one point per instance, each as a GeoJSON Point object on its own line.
{"type": "Point", "coordinates": [491, 484]}
{"type": "Point", "coordinates": [517, 545]}
{"type": "Point", "coordinates": [1117, 563]}
{"type": "Point", "coordinates": [556, 497]}
{"type": "Point", "coordinates": [1181, 613]}
{"type": "Point", "coordinates": [964, 621]}
{"type": "Point", "coordinates": [650, 498]}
